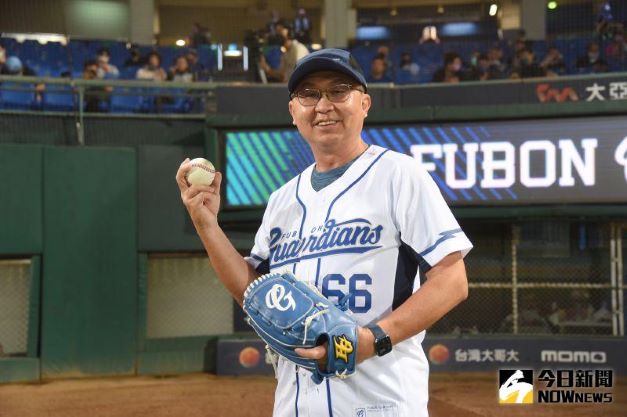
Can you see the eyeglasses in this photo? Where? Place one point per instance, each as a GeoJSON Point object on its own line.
{"type": "Point", "coordinates": [336, 94]}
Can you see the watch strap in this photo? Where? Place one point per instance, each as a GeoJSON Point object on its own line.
{"type": "Point", "coordinates": [377, 332]}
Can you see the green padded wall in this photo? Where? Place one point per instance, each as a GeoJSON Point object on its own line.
{"type": "Point", "coordinates": [20, 199]}
{"type": "Point", "coordinates": [89, 299]}
{"type": "Point", "coordinates": [164, 224]}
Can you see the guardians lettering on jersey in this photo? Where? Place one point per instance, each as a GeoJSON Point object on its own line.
{"type": "Point", "coordinates": [351, 236]}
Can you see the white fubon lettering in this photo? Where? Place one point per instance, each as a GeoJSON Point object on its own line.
{"type": "Point", "coordinates": [620, 155]}
{"type": "Point", "coordinates": [491, 165]}
{"type": "Point", "coordinates": [499, 165]}
{"type": "Point", "coordinates": [419, 151]}
{"type": "Point", "coordinates": [470, 149]}
{"type": "Point", "coordinates": [585, 166]}
{"type": "Point", "coordinates": [548, 149]}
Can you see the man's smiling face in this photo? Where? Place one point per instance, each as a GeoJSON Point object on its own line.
{"type": "Point", "coordinates": [329, 123]}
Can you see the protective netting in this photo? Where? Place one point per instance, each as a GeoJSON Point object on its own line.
{"type": "Point", "coordinates": [15, 285]}
{"type": "Point", "coordinates": [540, 277]}
{"type": "Point", "coordinates": [185, 298]}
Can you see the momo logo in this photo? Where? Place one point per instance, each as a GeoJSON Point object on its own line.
{"type": "Point", "coordinates": [573, 356]}
{"type": "Point", "coordinates": [276, 298]}
{"type": "Point", "coordinates": [515, 386]}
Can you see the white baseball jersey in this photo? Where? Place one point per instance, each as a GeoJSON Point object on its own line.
{"type": "Point", "coordinates": [368, 234]}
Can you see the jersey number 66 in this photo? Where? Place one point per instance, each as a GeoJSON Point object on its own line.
{"type": "Point", "coordinates": [360, 298]}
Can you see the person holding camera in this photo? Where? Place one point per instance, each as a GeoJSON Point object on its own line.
{"type": "Point", "coordinates": [292, 51]}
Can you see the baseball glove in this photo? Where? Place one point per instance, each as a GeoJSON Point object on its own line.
{"type": "Point", "coordinates": [287, 314]}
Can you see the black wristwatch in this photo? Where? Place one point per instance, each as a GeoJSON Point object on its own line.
{"type": "Point", "coordinates": [382, 342]}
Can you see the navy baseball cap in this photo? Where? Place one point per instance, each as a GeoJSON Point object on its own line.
{"type": "Point", "coordinates": [330, 59]}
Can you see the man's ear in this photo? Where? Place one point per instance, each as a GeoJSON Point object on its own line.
{"type": "Point", "coordinates": [366, 102]}
{"type": "Point", "coordinates": [290, 106]}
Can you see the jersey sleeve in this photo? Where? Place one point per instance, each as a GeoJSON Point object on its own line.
{"type": "Point", "coordinates": [259, 257]}
{"type": "Point", "coordinates": [424, 220]}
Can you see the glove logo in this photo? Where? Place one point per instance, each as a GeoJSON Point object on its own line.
{"type": "Point", "coordinates": [276, 295]}
{"type": "Point", "coordinates": [343, 347]}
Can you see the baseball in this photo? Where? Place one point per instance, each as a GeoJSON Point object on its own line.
{"type": "Point", "coordinates": [201, 173]}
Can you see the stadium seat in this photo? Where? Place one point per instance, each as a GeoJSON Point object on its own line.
{"type": "Point", "coordinates": [59, 98]}
{"type": "Point", "coordinates": [126, 101]}
{"type": "Point", "coordinates": [18, 96]}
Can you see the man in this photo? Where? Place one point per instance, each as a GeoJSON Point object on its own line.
{"type": "Point", "coordinates": [528, 67]}
{"type": "Point", "coordinates": [105, 68]}
{"type": "Point", "coordinates": [592, 61]}
{"type": "Point", "coordinates": [451, 71]}
{"type": "Point", "coordinates": [302, 27]}
{"type": "Point", "coordinates": [402, 225]}
{"type": "Point", "coordinates": [498, 69]}
{"type": "Point", "coordinates": [378, 71]}
{"type": "Point", "coordinates": [292, 52]}
{"type": "Point", "coordinates": [14, 66]}
{"type": "Point", "coordinates": [96, 97]}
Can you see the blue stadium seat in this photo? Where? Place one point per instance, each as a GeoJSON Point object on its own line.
{"type": "Point", "coordinates": [128, 73]}
{"type": "Point", "coordinates": [18, 96]}
{"type": "Point", "coordinates": [127, 101]}
{"type": "Point", "coordinates": [174, 103]}
{"type": "Point", "coordinates": [59, 98]}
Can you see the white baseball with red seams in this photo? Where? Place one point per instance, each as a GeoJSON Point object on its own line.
{"type": "Point", "coordinates": [201, 173]}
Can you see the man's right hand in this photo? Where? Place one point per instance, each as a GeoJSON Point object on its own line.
{"type": "Point", "coordinates": [202, 202]}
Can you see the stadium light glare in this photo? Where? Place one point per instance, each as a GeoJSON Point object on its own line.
{"type": "Point", "coordinates": [493, 9]}
{"type": "Point", "coordinates": [552, 5]}
{"type": "Point", "coordinates": [180, 42]}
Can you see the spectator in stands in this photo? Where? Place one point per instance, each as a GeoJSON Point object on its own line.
{"type": "Point", "coordinates": [498, 69]}
{"type": "Point", "coordinates": [200, 36]}
{"type": "Point", "coordinates": [429, 35]}
{"type": "Point", "coordinates": [617, 49]}
{"type": "Point", "coordinates": [450, 72]}
{"type": "Point", "coordinates": [302, 27]}
{"type": "Point", "coordinates": [14, 66]}
{"type": "Point", "coordinates": [198, 70]}
{"type": "Point", "coordinates": [3, 58]}
{"type": "Point", "coordinates": [136, 59]}
{"type": "Point", "coordinates": [181, 72]}
{"type": "Point", "coordinates": [292, 52]}
{"type": "Point", "coordinates": [105, 68]}
{"type": "Point", "coordinates": [384, 52]}
{"type": "Point", "coordinates": [519, 45]}
{"type": "Point", "coordinates": [378, 71]}
{"type": "Point", "coordinates": [527, 67]}
{"type": "Point", "coordinates": [152, 70]}
{"type": "Point", "coordinates": [273, 37]}
{"type": "Point", "coordinates": [553, 62]}
{"type": "Point", "coordinates": [407, 65]}
{"type": "Point", "coordinates": [592, 61]}
{"type": "Point", "coordinates": [479, 68]}
{"type": "Point", "coordinates": [95, 96]}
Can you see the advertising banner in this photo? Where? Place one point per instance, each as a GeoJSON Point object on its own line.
{"type": "Point", "coordinates": [547, 161]}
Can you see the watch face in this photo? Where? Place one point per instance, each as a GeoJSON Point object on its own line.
{"type": "Point", "coordinates": [383, 346]}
